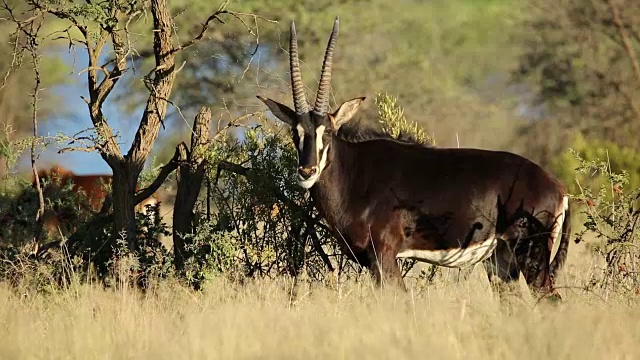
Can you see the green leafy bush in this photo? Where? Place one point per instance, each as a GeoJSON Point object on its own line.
{"type": "Point", "coordinates": [612, 212]}
{"type": "Point", "coordinates": [262, 213]}
{"type": "Point", "coordinates": [618, 158]}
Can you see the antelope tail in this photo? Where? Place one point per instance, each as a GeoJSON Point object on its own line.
{"type": "Point", "coordinates": [561, 256]}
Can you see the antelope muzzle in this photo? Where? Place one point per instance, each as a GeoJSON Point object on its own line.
{"type": "Point", "coordinates": [307, 172]}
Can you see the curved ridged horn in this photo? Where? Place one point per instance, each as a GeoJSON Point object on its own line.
{"type": "Point", "coordinates": [299, 98]}
{"type": "Point", "coordinates": [322, 96]}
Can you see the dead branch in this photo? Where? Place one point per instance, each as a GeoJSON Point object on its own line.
{"type": "Point", "coordinates": [78, 148]}
{"type": "Point", "coordinates": [88, 143]}
{"type": "Point", "coordinates": [34, 118]}
{"type": "Point", "coordinates": [190, 179]}
{"type": "Point", "coordinates": [16, 47]}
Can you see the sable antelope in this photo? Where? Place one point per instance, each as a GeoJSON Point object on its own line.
{"type": "Point", "coordinates": [93, 187]}
{"type": "Point", "coordinates": [389, 199]}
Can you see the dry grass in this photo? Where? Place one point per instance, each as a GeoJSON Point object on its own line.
{"type": "Point", "coordinates": [449, 320]}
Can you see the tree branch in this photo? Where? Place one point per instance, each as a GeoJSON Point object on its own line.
{"type": "Point", "coordinates": [32, 43]}
{"type": "Point", "coordinates": [203, 30]}
{"type": "Point", "coordinates": [161, 84]}
{"type": "Point", "coordinates": [624, 37]}
{"type": "Point", "coordinates": [78, 148]}
{"type": "Point", "coordinates": [97, 92]}
{"type": "Point", "coordinates": [178, 157]}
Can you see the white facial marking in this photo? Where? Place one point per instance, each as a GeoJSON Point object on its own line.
{"type": "Point", "coordinates": [319, 132]}
{"type": "Point", "coordinates": [300, 136]}
{"type": "Point", "coordinates": [308, 183]}
{"type": "Point", "coordinates": [323, 159]}
{"type": "Point", "coordinates": [454, 258]}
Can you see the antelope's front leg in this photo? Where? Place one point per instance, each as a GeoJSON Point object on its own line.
{"type": "Point", "coordinates": [385, 269]}
{"type": "Point", "coordinates": [382, 255]}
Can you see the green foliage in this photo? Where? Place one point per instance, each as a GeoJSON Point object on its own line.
{"type": "Point", "coordinates": [612, 215]}
{"type": "Point", "coordinates": [619, 159]}
{"type": "Point", "coordinates": [210, 253]}
{"type": "Point", "coordinates": [395, 123]}
{"type": "Point", "coordinates": [16, 87]}
{"type": "Point", "coordinates": [263, 215]}
{"type": "Point", "coordinates": [435, 56]}
{"type": "Point", "coordinates": [12, 147]}
{"type": "Point", "coordinates": [577, 61]}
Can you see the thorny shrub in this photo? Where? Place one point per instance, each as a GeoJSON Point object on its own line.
{"type": "Point", "coordinates": [611, 216]}
{"type": "Point", "coordinates": [266, 219]}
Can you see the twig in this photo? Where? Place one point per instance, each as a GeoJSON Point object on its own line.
{"type": "Point", "coordinates": [32, 45]}
{"type": "Point", "coordinates": [203, 30]}
{"type": "Point", "coordinates": [80, 149]}
{"type": "Point", "coordinates": [14, 58]}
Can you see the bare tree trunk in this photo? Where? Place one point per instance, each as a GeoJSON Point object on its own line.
{"type": "Point", "coordinates": [127, 169]}
{"type": "Point", "coordinates": [125, 178]}
{"type": "Point", "coordinates": [190, 178]}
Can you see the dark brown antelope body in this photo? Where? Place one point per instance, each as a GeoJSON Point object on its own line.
{"type": "Point", "coordinates": [390, 199]}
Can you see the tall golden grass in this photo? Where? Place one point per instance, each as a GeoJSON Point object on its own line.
{"type": "Point", "coordinates": [454, 318]}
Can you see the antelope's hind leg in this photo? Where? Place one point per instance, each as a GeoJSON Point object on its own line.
{"type": "Point", "coordinates": [528, 256]}
{"type": "Point", "coordinates": [534, 256]}
{"type": "Point", "coordinates": [502, 269]}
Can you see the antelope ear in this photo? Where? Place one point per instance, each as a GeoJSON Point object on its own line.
{"type": "Point", "coordinates": [281, 111]}
{"type": "Point", "coordinates": [345, 112]}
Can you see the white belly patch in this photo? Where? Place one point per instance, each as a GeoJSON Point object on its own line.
{"type": "Point", "coordinates": [453, 257]}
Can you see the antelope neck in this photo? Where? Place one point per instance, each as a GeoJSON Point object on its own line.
{"type": "Point", "coordinates": [332, 190]}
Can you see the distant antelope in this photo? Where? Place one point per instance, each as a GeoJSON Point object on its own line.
{"type": "Point", "coordinates": [389, 199]}
{"type": "Point", "coordinates": [93, 187]}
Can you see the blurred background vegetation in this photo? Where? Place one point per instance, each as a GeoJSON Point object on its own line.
{"type": "Point", "coordinates": [534, 77]}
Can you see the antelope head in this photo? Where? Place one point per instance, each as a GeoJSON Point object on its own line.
{"type": "Point", "coordinates": [312, 130]}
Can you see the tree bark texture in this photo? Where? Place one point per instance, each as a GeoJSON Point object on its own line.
{"type": "Point", "coordinates": [124, 215]}
{"type": "Point", "coordinates": [190, 177]}
{"type": "Point", "coordinates": [127, 170]}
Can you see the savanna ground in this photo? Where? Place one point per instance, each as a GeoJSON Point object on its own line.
{"type": "Point", "coordinates": [450, 318]}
